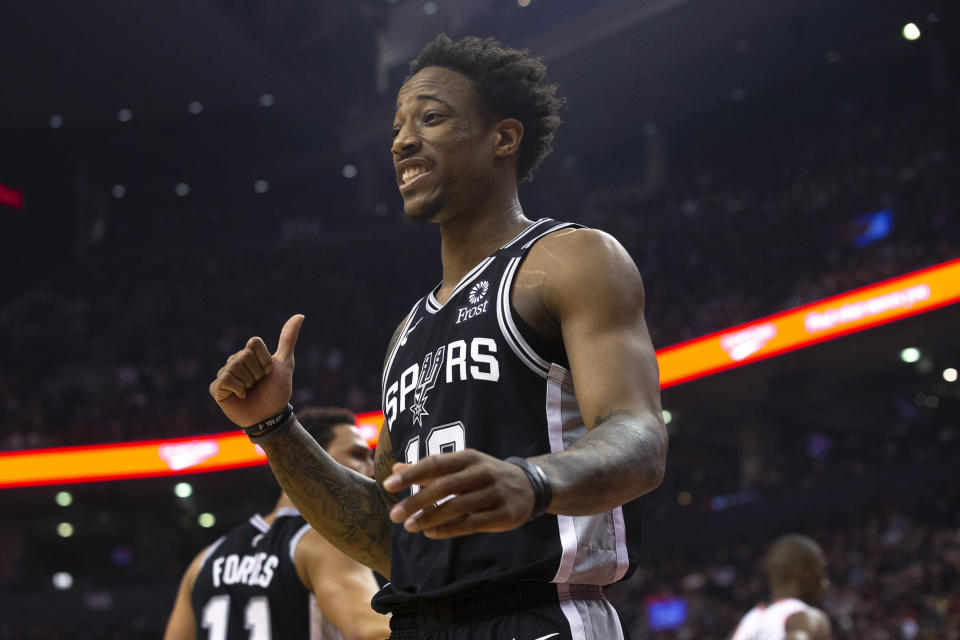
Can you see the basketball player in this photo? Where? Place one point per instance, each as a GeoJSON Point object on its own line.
{"type": "Point", "coordinates": [275, 577]}
{"type": "Point", "coordinates": [521, 394]}
{"type": "Point", "coordinates": [796, 570]}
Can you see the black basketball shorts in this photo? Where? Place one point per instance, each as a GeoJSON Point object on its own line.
{"type": "Point", "coordinates": [543, 612]}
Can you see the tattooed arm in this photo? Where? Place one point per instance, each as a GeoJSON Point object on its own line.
{"type": "Point", "coordinates": [600, 311]}
{"type": "Point", "coordinates": [580, 286]}
{"type": "Point", "coordinates": [347, 508]}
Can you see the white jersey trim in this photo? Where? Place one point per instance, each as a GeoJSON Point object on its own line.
{"type": "Point", "coordinates": [295, 540]}
{"type": "Point", "coordinates": [508, 326]}
{"type": "Point", "coordinates": [433, 305]}
{"type": "Point", "coordinates": [593, 548]}
{"type": "Point", "coordinates": [211, 549]}
{"type": "Point", "coordinates": [620, 534]}
{"type": "Point", "coordinates": [392, 355]}
{"type": "Point", "coordinates": [259, 523]}
{"type": "Point", "coordinates": [568, 534]}
{"type": "Point", "coordinates": [509, 329]}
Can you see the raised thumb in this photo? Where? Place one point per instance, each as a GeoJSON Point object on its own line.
{"type": "Point", "coordinates": [288, 337]}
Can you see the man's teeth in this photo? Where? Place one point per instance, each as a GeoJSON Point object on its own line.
{"type": "Point", "coordinates": [411, 172]}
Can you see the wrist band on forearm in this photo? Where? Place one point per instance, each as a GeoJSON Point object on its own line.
{"type": "Point", "coordinates": [542, 491]}
{"type": "Point", "coordinates": [270, 424]}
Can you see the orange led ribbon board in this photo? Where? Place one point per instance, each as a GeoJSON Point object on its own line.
{"type": "Point", "coordinates": [827, 319]}
{"type": "Point", "coordinates": [144, 459]}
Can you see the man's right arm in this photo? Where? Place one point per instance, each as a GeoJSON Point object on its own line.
{"type": "Point", "coordinates": [347, 508]}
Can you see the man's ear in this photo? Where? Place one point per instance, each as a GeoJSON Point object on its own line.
{"type": "Point", "coordinates": [509, 133]}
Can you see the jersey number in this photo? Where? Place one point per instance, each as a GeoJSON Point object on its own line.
{"type": "Point", "coordinates": [256, 617]}
{"type": "Point", "coordinates": [446, 438]}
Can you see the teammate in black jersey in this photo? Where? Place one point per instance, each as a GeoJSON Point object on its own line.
{"type": "Point", "coordinates": [533, 347]}
{"type": "Point", "coordinates": [274, 577]}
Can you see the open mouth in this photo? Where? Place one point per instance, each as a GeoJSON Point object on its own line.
{"type": "Point", "coordinates": [411, 175]}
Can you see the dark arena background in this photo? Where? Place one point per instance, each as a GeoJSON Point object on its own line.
{"type": "Point", "coordinates": [176, 177]}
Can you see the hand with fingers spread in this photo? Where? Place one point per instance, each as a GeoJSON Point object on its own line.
{"type": "Point", "coordinates": [461, 493]}
{"type": "Point", "coordinates": [254, 385]}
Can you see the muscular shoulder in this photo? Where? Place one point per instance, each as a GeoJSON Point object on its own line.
{"type": "Point", "coordinates": [810, 623]}
{"type": "Point", "coordinates": [309, 556]}
{"type": "Point", "coordinates": [394, 338]}
{"type": "Point", "coordinates": [572, 264]}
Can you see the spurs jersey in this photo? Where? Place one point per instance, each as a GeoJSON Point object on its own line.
{"type": "Point", "coordinates": [248, 587]}
{"type": "Point", "coordinates": [766, 622]}
{"type": "Point", "coordinates": [465, 374]}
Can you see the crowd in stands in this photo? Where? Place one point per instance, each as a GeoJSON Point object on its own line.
{"type": "Point", "coordinates": [121, 347]}
{"type": "Point", "coordinates": [885, 511]}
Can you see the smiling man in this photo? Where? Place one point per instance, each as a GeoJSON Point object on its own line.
{"type": "Point", "coordinates": [521, 394]}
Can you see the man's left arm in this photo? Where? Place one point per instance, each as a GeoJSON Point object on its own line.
{"type": "Point", "coordinates": [182, 624]}
{"type": "Point", "coordinates": [593, 290]}
{"type": "Point", "coordinates": [597, 294]}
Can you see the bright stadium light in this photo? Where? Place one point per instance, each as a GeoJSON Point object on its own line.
{"type": "Point", "coordinates": [195, 107]}
{"type": "Point", "coordinates": [62, 580]}
{"type": "Point", "coordinates": [349, 171]}
{"type": "Point", "coordinates": [206, 520]}
{"type": "Point", "coordinates": [124, 115]}
{"type": "Point", "coordinates": [56, 121]}
{"type": "Point", "coordinates": [523, 3]}
{"type": "Point", "coordinates": [910, 355]}
{"type": "Point", "coordinates": [118, 191]}
{"type": "Point", "coordinates": [182, 189]}
{"type": "Point", "coordinates": [64, 498]}
{"type": "Point", "coordinates": [266, 100]}
{"type": "Point", "coordinates": [65, 529]}
{"type": "Point", "coordinates": [183, 490]}
{"type": "Point", "coordinates": [950, 374]}
{"type": "Point", "coordinates": [261, 186]}
{"type": "Point", "coordinates": [911, 31]}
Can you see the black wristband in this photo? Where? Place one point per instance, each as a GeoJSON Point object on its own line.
{"type": "Point", "coordinates": [542, 491]}
{"type": "Point", "coordinates": [270, 424]}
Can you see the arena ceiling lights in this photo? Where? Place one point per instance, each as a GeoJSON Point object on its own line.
{"type": "Point", "coordinates": [817, 322]}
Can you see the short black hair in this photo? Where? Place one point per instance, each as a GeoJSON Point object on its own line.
{"type": "Point", "coordinates": [320, 422]}
{"type": "Point", "coordinates": [510, 85]}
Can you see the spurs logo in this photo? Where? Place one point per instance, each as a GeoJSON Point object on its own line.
{"type": "Point", "coordinates": [429, 373]}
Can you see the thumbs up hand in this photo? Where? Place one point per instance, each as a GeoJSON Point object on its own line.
{"type": "Point", "coordinates": [254, 385]}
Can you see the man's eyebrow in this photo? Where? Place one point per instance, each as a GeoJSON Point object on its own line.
{"type": "Point", "coordinates": [427, 96]}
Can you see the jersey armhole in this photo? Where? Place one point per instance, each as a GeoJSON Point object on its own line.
{"type": "Point", "coordinates": [295, 540]}
{"type": "Point", "coordinates": [209, 552]}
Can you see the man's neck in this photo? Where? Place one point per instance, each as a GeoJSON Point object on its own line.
{"type": "Point", "coordinates": [784, 593]}
{"type": "Point", "coordinates": [468, 239]}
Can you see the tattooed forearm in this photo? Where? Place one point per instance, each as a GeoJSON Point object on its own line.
{"type": "Point", "coordinates": [621, 458]}
{"type": "Point", "coordinates": [348, 509]}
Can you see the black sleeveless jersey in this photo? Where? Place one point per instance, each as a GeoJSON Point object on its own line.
{"type": "Point", "coordinates": [464, 374]}
{"type": "Point", "coordinates": [248, 588]}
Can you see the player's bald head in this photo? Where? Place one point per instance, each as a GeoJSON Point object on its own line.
{"type": "Point", "coordinates": [797, 563]}
{"type": "Point", "coordinates": [789, 555]}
